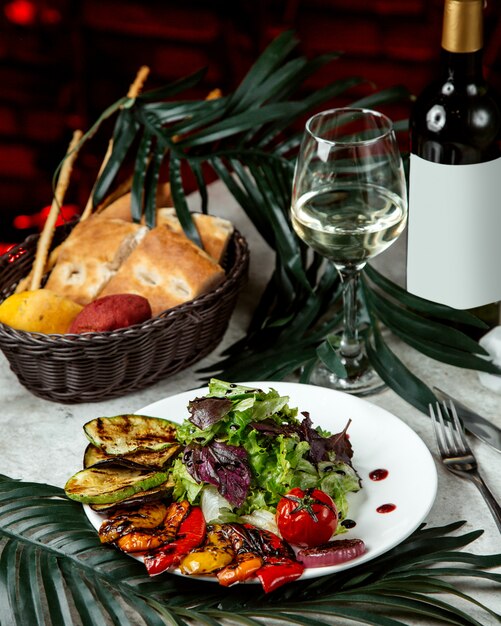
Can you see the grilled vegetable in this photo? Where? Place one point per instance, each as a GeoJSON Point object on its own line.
{"type": "Point", "coordinates": [144, 540]}
{"type": "Point", "coordinates": [140, 459]}
{"type": "Point", "coordinates": [105, 485]}
{"type": "Point", "coordinates": [242, 568]}
{"type": "Point", "coordinates": [331, 553]}
{"type": "Point", "coordinates": [147, 516]}
{"type": "Point", "coordinates": [190, 535]}
{"type": "Point", "coordinates": [123, 434]}
{"type": "Point", "coordinates": [278, 571]}
{"type": "Point", "coordinates": [141, 497]}
{"type": "Point", "coordinates": [265, 543]}
{"type": "Point", "coordinates": [216, 553]}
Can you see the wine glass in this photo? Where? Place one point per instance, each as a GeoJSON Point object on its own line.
{"type": "Point", "coordinates": [349, 204]}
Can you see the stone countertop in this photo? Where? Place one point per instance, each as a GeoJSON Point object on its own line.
{"type": "Point", "coordinates": [43, 441]}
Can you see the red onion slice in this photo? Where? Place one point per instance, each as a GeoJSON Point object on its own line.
{"type": "Point", "coordinates": [331, 553]}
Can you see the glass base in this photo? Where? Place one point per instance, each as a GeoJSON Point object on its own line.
{"type": "Point", "coordinates": [361, 384]}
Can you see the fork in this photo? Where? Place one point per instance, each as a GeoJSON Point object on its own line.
{"type": "Point", "coordinates": [457, 456]}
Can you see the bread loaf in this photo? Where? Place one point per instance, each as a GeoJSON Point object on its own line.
{"type": "Point", "coordinates": [215, 232]}
{"type": "Point", "coordinates": [91, 255]}
{"type": "Point", "coordinates": [167, 269]}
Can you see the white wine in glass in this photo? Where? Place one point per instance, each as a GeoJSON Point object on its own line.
{"type": "Point", "coordinates": [349, 204]}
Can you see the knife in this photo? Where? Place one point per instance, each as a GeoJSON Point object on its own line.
{"type": "Point", "coordinates": [473, 422]}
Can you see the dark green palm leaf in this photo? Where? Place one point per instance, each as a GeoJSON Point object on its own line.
{"type": "Point", "coordinates": [269, 61]}
{"type": "Point", "coordinates": [264, 365]}
{"type": "Point", "coordinates": [385, 96]}
{"type": "Point", "coordinates": [397, 376]}
{"type": "Point", "coordinates": [139, 177]}
{"type": "Point", "coordinates": [301, 72]}
{"type": "Point", "coordinates": [287, 245]}
{"type": "Point", "coordinates": [415, 303]}
{"type": "Point", "coordinates": [397, 318]}
{"type": "Point", "coordinates": [448, 355]}
{"type": "Point", "coordinates": [452, 571]}
{"type": "Point", "coordinates": [177, 86]}
{"type": "Point", "coordinates": [277, 84]}
{"type": "Point", "coordinates": [327, 353]}
{"type": "Point", "coordinates": [240, 123]}
{"type": "Point", "coordinates": [196, 168]}
{"type": "Point", "coordinates": [126, 129]}
{"type": "Point", "coordinates": [323, 94]}
{"type": "Point", "coordinates": [151, 185]}
{"type": "Point", "coordinates": [259, 317]}
{"type": "Point", "coordinates": [327, 291]}
{"type": "Point", "coordinates": [249, 197]}
{"type": "Point", "coordinates": [179, 198]}
{"type": "Point", "coordinates": [401, 126]}
{"type": "Point", "coordinates": [212, 111]}
{"type": "Point", "coordinates": [399, 602]}
{"type": "Point", "coordinates": [281, 86]}
{"type": "Point", "coordinates": [168, 113]}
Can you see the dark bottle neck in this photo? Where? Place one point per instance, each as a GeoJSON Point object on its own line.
{"type": "Point", "coordinates": [462, 66]}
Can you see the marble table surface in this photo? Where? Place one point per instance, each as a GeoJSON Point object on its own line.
{"type": "Point", "coordinates": [43, 441]}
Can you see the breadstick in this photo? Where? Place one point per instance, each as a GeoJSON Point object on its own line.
{"type": "Point", "coordinates": [137, 85]}
{"type": "Point", "coordinates": [24, 283]}
{"type": "Point", "coordinates": [50, 224]}
{"type": "Point", "coordinates": [214, 94]}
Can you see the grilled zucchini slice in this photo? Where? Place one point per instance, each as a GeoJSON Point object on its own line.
{"type": "Point", "coordinates": [140, 459]}
{"type": "Point", "coordinates": [107, 485]}
{"type": "Point", "coordinates": [160, 492]}
{"type": "Point", "coordinates": [123, 434]}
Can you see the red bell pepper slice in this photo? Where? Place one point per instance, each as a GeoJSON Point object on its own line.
{"type": "Point", "coordinates": [190, 535]}
{"type": "Point", "coordinates": [278, 571]}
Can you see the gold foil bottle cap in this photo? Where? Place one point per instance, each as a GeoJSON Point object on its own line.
{"type": "Point", "coordinates": [463, 25]}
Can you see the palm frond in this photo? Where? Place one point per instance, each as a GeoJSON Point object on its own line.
{"type": "Point", "coordinates": [249, 140]}
{"type": "Point", "coordinates": [126, 129]}
{"type": "Point", "coordinates": [55, 571]}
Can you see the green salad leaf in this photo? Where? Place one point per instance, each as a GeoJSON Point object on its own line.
{"type": "Point", "coordinates": [279, 449]}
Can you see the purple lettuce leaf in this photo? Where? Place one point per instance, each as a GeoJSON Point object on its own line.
{"type": "Point", "coordinates": [271, 428]}
{"type": "Point", "coordinates": [221, 465]}
{"type": "Point", "coordinates": [320, 446]}
{"type": "Point", "coordinates": [208, 411]}
{"type": "Point", "coordinates": [341, 445]}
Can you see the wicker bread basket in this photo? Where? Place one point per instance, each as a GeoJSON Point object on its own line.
{"type": "Point", "coordinates": [96, 366]}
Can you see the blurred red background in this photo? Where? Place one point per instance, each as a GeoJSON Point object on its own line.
{"type": "Point", "coordinates": [63, 61]}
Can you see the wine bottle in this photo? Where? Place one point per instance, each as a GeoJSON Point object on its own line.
{"type": "Point", "coordinates": [454, 229]}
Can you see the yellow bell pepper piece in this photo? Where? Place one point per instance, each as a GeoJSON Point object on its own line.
{"type": "Point", "coordinates": [216, 553]}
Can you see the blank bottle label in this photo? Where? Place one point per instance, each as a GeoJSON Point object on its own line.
{"type": "Point", "coordinates": [454, 232]}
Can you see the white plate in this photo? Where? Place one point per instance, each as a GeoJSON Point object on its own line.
{"type": "Point", "coordinates": [380, 441]}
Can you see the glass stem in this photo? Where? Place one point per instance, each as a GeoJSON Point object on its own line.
{"type": "Point", "coordinates": [350, 347]}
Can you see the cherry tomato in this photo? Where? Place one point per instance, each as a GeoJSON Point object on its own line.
{"type": "Point", "coordinates": [306, 518]}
